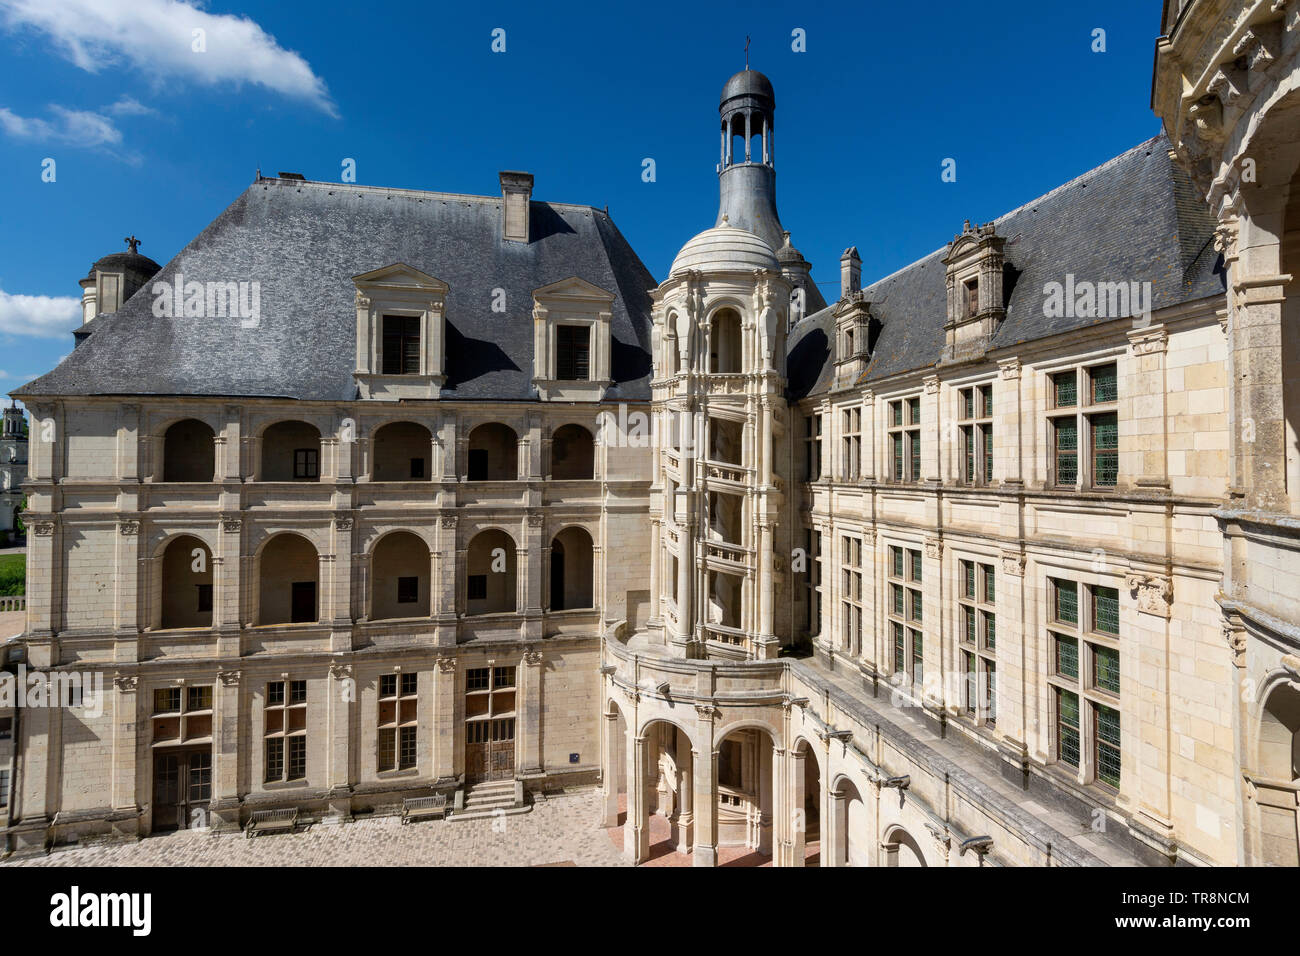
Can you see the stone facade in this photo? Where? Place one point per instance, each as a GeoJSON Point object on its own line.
{"type": "Point", "coordinates": [975, 565]}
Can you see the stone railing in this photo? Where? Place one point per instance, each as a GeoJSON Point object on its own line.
{"type": "Point", "coordinates": [13, 603]}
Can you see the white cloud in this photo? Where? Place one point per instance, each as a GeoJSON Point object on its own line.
{"type": "Point", "coordinates": [157, 37]}
{"type": "Point", "coordinates": [129, 106]}
{"type": "Point", "coordinates": [43, 316]}
{"type": "Point", "coordinates": [70, 127]}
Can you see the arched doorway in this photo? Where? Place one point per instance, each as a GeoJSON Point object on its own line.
{"type": "Point", "coordinates": [849, 838]}
{"type": "Point", "coordinates": [900, 849]}
{"type": "Point", "coordinates": [290, 452]}
{"type": "Point", "coordinates": [493, 453]}
{"type": "Point", "coordinates": [724, 342]}
{"type": "Point", "coordinates": [807, 804]}
{"type": "Point", "coordinates": [745, 800]}
{"type": "Point", "coordinates": [572, 570]}
{"type": "Point", "coordinates": [661, 807]}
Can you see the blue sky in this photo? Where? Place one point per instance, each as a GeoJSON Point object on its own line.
{"type": "Point", "coordinates": [154, 138]}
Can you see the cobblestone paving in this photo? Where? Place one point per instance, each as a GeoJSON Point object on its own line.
{"type": "Point", "coordinates": [560, 829]}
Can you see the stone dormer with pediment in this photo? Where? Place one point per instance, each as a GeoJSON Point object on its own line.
{"type": "Point", "coordinates": [855, 327]}
{"type": "Point", "coordinates": [571, 343]}
{"type": "Point", "coordinates": [401, 344]}
{"type": "Point", "coordinates": [976, 307]}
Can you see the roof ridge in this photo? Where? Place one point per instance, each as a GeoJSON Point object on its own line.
{"type": "Point", "coordinates": [408, 192]}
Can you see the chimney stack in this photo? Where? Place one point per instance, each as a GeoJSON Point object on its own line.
{"type": "Point", "coordinates": [516, 193]}
{"type": "Point", "coordinates": [850, 272]}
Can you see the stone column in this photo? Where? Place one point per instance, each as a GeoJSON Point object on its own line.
{"type": "Point", "coordinates": [446, 719]}
{"type": "Point", "coordinates": [340, 709]}
{"type": "Point", "coordinates": [531, 725]}
{"type": "Point", "coordinates": [706, 796]}
{"type": "Point", "coordinates": [636, 833]}
{"type": "Point", "coordinates": [225, 751]}
{"type": "Point", "coordinates": [798, 812]}
{"type": "Point", "coordinates": [686, 809]}
{"type": "Point", "coordinates": [609, 770]}
{"type": "Point", "coordinates": [130, 560]}
{"type": "Point", "coordinates": [126, 720]}
{"type": "Point", "coordinates": [834, 842]}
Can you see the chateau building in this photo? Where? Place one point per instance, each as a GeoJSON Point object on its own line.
{"type": "Point", "coordinates": [13, 466]}
{"type": "Point", "coordinates": [990, 561]}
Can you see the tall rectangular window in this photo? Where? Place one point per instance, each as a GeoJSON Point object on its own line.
{"type": "Point", "coordinates": [851, 595]}
{"type": "Point", "coordinates": [813, 447]}
{"type": "Point", "coordinates": [398, 715]}
{"type": "Point", "coordinates": [904, 439]}
{"type": "Point", "coordinates": [975, 434]}
{"type": "Point", "coordinates": [285, 731]}
{"type": "Point", "coordinates": [852, 443]}
{"type": "Point", "coordinates": [401, 345]}
{"type": "Point", "coordinates": [1084, 671]}
{"type": "Point", "coordinates": [905, 612]}
{"type": "Point", "coordinates": [977, 604]}
{"type": "Point", "coordinates": [572, 353]}
{"type": "Point", "coordinates": [1083, 427]}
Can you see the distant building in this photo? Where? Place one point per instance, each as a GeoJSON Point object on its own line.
{"type": "Point", "coordinates": [13, 466]}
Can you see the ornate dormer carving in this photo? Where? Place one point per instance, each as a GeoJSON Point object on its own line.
{"type": "Point", "coordinates": [856, 331]}
{"type": "Point", "coordinates": [976, 307]}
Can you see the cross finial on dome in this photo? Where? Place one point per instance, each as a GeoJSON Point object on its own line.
{"type": "Point", "coordinates": [747, 51]}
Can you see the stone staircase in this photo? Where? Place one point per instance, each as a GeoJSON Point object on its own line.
{"type": "Point", "coordinates": [491, 799]}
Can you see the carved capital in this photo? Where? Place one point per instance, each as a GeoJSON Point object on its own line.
{"type": "Point", "coordinates": [1013, 563]}
{"type": "Point", "coordinates": [706, 711]}
{"type": "Point", "coordinates": [934, 548]}
{"type": "Point", "coordinates": [1148, 341]}
{"type": "Point", "coordinates": [343, 524]}
{"type": "Point", "coordinates": [229, 678]}
{"type": "Point", "coordinates": [1010, 369]}
{"type": "Point", "coordinates": [534, 519]}
{"type": "Point", "coordinates": [449, 521]}
{"type": "Point", "coordinates": [231, 525]}
{"type": "Point", "coordinates": [446, 665]}
{"type": "Point", "coordinates": [340, 670]}
{"type": "Point", "coordinates": [43, 528]}
{"type": "Point", "coordinates": [1154, 592]}
{"type": "Point", "coordinates": [932, 385]}
{"type": "Point", "coordinates": [126, 683]}
{"type": "Point", "coordinates": [128, 526]}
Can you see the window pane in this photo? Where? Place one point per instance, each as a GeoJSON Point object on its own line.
{"type": "Point", "coordinates": [990, 588]}
{"type": "Point", "coordinates": [898, 457]}
{"type": "Point", "coordinates": [967, 403]}
{"type": "Point", "coordinates": [407, 750]}
{"type": "Point", "coordinates": [913, 411]}
{"type": "Point", "coordinates": [987, 392]}
{"type": "Point", "coordinates": [1104, 384]}
{"type": "Point", "coordinates": [1067, 451]}
{"type": "Point", "coordinates": [968, 625]}
{"type": "Point", "coordinates": [896, 555]}
{"type": "Point", "coordinates": [1065, 602]}
{"type": "Point", "coordinates": [1067, 727]}
{"type": "Point", "coordinates": [275, 759]}
{"type": "Point", "coordinates": [297, 758]}
{"type": "Point", "coordinates": [896, 410]}
{"type": "Point", "coordinates": [1105, 449]}
{"type": "Point", "coordinates": [916, 605]}
{"type": "Point", "coordinates": [1108, 745]}
{"type": "Point", "coordinates": [988, 452]}
{"type": "Point", "coordinates": [386, 750]}
{"type": "Point", "coordinates": [900, 649]}
{"type": "Point", "coordinates": [897, 594]}
{"type": "Point", "coordinates": [1105, 668]}
{"type": "Point", "coordinates": [990, 631]}
{"type": "Point", "coordinates": [1065, 389]}
{"type": "Point", "coordinates": [916, 456]}
{"type": "Point", "coordinates": [1067, 656]}
{"type": "Point", "coordinates": [916, 566]}
{"type": "Point", "coordinates": [1105, 610]}
{"type": "Point", "coordinates": [968, 578]}
{"type": "Point", "coordinates": [918, 656]}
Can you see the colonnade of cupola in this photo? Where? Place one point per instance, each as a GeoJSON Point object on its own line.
{"type": "Point", "coordinates": [719, 346]}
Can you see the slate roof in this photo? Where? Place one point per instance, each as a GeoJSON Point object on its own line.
{"type": "Point", "coordinates": [1134, 218]}
{"type": "Point", "coordinates": [304, 241]}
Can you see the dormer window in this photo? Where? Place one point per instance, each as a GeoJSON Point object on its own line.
{"type": "Point", "coordinates": [571, 344]}
{"type": "Point", "coordinates": [400, 351]}
{"type": "Point", "coordinates": [401, 345]}
{"type": "Point", "coordinates": [572, 353]}
{"type": "Point", "coordinates": [974, 262]}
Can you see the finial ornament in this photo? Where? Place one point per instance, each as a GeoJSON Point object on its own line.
{"type": "Point", "coordinates": [747, 51]}
{"type": "Point", "coordinates": [132, 243]}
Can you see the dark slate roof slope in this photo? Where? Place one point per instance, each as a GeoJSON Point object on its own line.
{"type": "Point", "coordinates": [1134, 218]}
{"type": "Point", "coordinates": [304, 241]}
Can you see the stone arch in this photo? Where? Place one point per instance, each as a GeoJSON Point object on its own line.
{"type": "Point", "coordinates": [746, 779]}
{"type": "Point", "coordinates": [189, 451]}
{"type": "Point", "coordinates": [490, 575]}
{"type": "Point", "coordinates": [573, 569]}
{"type": "Point", "coordinates": [573, 453]}
{"type": "Point", "coordinates": [901, 849]}
{"type": "Point", "coordinates": [1277, 760]}
{"type": "Point", "coordinates": [849, 837]}
{"type": "Point", "coordinates": [183, 575]}
{"type": "Point", "coordinates": [726, 340]}
{"type": "Point", "coordinates": [400, 575]}
{"type": "Point", "coordinates": [288, 580]}
{"type": "Point", "coordinates": [493, 453]}
{"type": "Point", "coordinates": [290, 451]}
{"type": "Point", "coordinates": [661, 807]}
{"type": "Point", "coordinates": [806, 802]}
{"type": "Point", "coordinates": [399, 451]}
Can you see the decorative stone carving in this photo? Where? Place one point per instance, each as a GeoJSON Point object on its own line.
{"type": "Point", "coordinates": [449, 521]}
{"type": "Point", "coordinates": [340, 670]}
{"type": "Point", "coordinates": [934, 548]}
{"type": "Point", "coordinates": [229, 678]}
{"type": "Point", "coordinates": [1013, 563]}
{"type": "Point", "coordinates": [128, 526]}
{"type": "Point", "coordinates": [1149, 341]}
{"type": "Point", "coordinates": [932, 385]}
{"type": "Point", "coordinates": [533, 656]}
{"type": "Point", "coordinates": [706, 711]}
{"type": "Point", "coordinates": [942, 838]}
{"type": "Point", "coordinates": [446, 665]}
{"type": "Point", "coordinates": [343, 524]}
{"type": "Point", "coordinates": [126, 683]}
{"type": "Point", "coordinates": [231, 525]}
{"type": "Point", "coordinates": [1154, 592]}
{"type": "Point", "coordinates": [534, 520]}
{"type": "Point", "coordinates": [43, 528]}
{"type": "Point", "coordinates": [1010, 370]}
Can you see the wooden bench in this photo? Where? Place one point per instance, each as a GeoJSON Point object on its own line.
{"type": "Point", "coordinates": [413, 808]}
{"type": "Point", "coordinates": [285, 818]}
